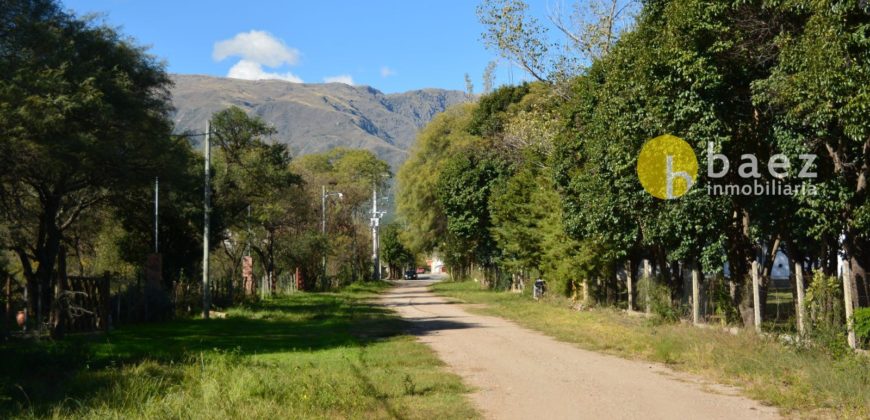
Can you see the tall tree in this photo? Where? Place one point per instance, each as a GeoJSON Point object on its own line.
{"type": "Point", "coordinates": [489, 77]}
{"type": "Point", "coordinates": [519, 37]}
{"type": "Point", "coordinates": [84, 117]}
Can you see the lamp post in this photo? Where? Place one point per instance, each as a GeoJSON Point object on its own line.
{"type": "Point", "coordinates": [323, 196]}
{"type": "Point", "coordinates": [376, 243]}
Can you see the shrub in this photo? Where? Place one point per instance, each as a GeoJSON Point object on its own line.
{"type": "Point", "coordinates": [862, 325]}
{"type": "Point", "coordinates": [825, 307]}
{"type": "Point", "coordinates": [659, 297]}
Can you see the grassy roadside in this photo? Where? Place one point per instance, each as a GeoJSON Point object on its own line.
{"type": "Point", "coordinates": [803, 382]}
{"type": "Point", "coordinates": [330, 355]}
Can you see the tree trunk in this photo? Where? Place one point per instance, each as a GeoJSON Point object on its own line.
{"type": "Point", "coordinates": [59, 309]}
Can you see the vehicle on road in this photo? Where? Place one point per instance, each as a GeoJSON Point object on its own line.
{"type": "Point", "coordinates": [411, 274]}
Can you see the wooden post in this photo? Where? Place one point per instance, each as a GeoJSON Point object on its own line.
{"type": "Point", "coordinates": [696, 293]}
{"type": "Point", "coordinates": [629, 274]}
{"type": "Point", "coordinates": [647, 274]}
{"type": "Point", "coordinates": [756, 296]}
{"type": "Point", "coordinates": [8, 311]}
{"type": "Point", "coordinates": [847, 300]}
{"type": "Point", "coordinates": [799, 285]}
{"type": "Point", "coordinates": [105, 305]}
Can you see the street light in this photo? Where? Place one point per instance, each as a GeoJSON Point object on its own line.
{"type": "Point", "coordinates": [375, 223]}
{"type": "Point", "coordinates": [323, 195]}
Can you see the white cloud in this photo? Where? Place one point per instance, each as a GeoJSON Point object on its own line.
{"type": "Point", "coordinates": [249, 70]}
{"type": "Point", "coordinates": [387, 72]}
{"type": "Point", "coordinates": [342, 78]}
{"type": "Point", "coordinates": [257, 47]}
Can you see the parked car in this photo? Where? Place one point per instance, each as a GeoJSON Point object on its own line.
{"type": "Point", "coordinates": [421, 270]}
{"type": "Point", "coordinates": [410, 274]}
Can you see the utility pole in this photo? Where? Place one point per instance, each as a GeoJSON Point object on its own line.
{"type": "Point", "coordinates": [323, 226]}
{"type": "Point", "coordinates": [206, 298]}
{"type": "Point", "coordinates": [156, 214]}
{"type": "Point", "coordinates": [376, 263]}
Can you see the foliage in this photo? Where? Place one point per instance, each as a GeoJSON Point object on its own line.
{"type": "Point", "coordinates": [75, 99]}
{"type": "Point", "coordinates": [489, 115]}
{"type": "Point", "coordinates": [516, 35]}
{"type": "Point", "coordinates": [824, 301]}
{"type": "Point", "coordinates": [862, 325]}
{"type": "Point", "coordinates": [445, 136]}
{"type": "Point", "coordinates": [393, 251]}
{"type": "Point", "coordinates": [658, 297]}
{"type": "Point", "coordinates": [256, 196]}
{"type": "Point", "coordinates": [463, 191]}
{"type": "Point", "coordinates": [346, 246]}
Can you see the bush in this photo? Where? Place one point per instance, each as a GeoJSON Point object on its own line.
{"type": "Point", "coordinates": [723, 305]}
{"type": "Point", "coordinates": [659, 297]}
{"type": "Point", "coordinates": [862, 325]}
{"type": "Point", "coordinates": [824, 302]}
{"type": "Point", "coordinates": [825, 308]}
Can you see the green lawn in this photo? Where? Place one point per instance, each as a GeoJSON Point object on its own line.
{"type": "Point", "coordinates": [330, 355]}
{"type": "Point", "coordinates": [803, 381]}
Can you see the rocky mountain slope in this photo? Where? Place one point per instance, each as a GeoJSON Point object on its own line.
{"type": "Point", "coordinates": [313, 118]}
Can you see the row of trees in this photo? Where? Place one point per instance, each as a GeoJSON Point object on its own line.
{"type": "Point", "coordinates": [540, 179]}
{"type": "Point", "coordinates": [86, 130]}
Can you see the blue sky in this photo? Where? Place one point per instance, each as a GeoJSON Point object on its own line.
{"type": "Point", "coordinates": [391, 45]}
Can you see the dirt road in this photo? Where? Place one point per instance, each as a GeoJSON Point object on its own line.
{"type": "Point", "coordinates": [523, 374]}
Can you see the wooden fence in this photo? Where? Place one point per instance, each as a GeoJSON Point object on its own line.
{"type": "Point", "coordinates": [84, 304]}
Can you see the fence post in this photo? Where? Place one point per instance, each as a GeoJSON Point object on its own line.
{"type": "Point", "coordinates": [629, 280]}
{"type": "Point", "coordinates": [8, 311]}
{"type": "Point", "coordinates": [756, 296]}
{"type": "Point", "coordinates": [647, 274]}
{"type": "Point", "coordinates": [799, 285]}
{"type": "Point", "coordinates": [696, 293]}
{"type": "Point", "coordinates": [847, 301]}
{"type": "Point", "coordinates": [105, 306]}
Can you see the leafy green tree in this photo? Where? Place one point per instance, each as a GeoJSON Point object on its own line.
{"type": "Point", "coordinates": [393, 252]}
{"type": "Point", "coordinates": [353, 173]}
{"type": "Point", "coordinates": [463, 190]}
{"type": "Point", "coordinates": [417, 200]}
{"type": "Point", "coordinates": [819, 92]}
{"type": "Point", "coordinates": [84, 116]}
{"type": "Point", "coordinates": [254, 189]}
{"type": "Point", "coordinates": [519, 37]}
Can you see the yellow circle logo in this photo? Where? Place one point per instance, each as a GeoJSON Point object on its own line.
{"type": "Point", "coordinates": [667, 167]}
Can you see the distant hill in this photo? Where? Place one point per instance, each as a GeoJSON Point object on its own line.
{"type": "Point", "coordinates": [314, 118]}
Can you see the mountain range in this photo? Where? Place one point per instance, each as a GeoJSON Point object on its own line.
{"type": "Point", "coordinates": [313, 118]}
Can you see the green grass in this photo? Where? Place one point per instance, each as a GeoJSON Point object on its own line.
{"type": "Point", "coordinates": [330, 355]}
{"type": "Point", "coordinates": [802, 381]}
